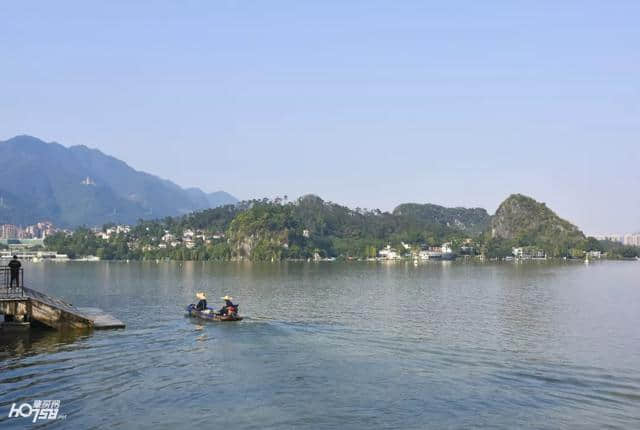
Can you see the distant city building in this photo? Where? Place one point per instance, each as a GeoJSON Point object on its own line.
{"type": "Point", "coordinates": [626, 239]}
{"type": "Point", "coordinates": [8, 231]}
{"type": "Point", "coordinates": [610, 237]}
{"type": "Point", "coordinates": [632, 239]}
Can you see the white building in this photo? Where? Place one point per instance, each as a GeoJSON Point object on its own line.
{"type": "Point", "coordinates": [528, 252]}
{"type": "Point", "coordinates": [168, 237]}
{"type": "Point", "coordinates": [188, 234]}
{"type": "Point", "coordinates": [632, 239]}
{"type": "Point", "coordinates": [426, 254]}
{"type": "Point", "coordinates": [388, 253]}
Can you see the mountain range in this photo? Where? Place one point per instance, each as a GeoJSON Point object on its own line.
{"type": "Point", "coordinates": [83, 186]}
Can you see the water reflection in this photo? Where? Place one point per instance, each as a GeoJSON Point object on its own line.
{"type": "Point", "coordinates": [37, 341]}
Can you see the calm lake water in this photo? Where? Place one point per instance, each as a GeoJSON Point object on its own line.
{"type": "Point", "coordinates": [331, 345]}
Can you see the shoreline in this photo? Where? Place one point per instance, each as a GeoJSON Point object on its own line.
{"type": "Point", "coordinates": [476, 259]}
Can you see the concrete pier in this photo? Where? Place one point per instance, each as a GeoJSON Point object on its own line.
{"type": "Point", "coordinates": [27, 305]}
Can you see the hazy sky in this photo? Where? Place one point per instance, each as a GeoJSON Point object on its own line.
{"type": "Point", "coordinates": [368, 104]}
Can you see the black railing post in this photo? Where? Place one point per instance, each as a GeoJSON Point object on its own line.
{"type": "Point", "coordinates": [6, 287]}
{"type": "Point", "coordinates": [5, 279]}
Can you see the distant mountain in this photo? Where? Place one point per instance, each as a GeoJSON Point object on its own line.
{"type": "Point", "coordinates": [82, 186]}
{"type": "Point", "coordinates": [213, 200]}
{"type": "Point", "coordinates": [527, 222]}
{"type": "Point", "coordinates": [471, 220]}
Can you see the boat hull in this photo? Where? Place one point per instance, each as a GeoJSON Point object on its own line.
{"type": "Point", "coordinates": [211, 316]}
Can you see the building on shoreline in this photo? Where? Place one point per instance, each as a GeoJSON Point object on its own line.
{"type": "Point", "coordinates": [33, 255]}
{"type": "Point", "coordinates": [389, 253]}
{"type": "Point", "coordinates": [528, 252]}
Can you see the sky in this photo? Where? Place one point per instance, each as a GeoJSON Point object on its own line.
{"type": "Point", "coordinates": [365, 103]}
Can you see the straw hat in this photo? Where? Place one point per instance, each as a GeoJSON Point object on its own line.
{"type": "Point", "coordinates": [201, 296]}
{"type": "Point", "coordinates": [227, 298]}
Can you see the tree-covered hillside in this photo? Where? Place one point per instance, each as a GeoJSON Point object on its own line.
{"type": "Point", "coordinates": [264, 230]}
{"type": "Point", "coordinates": [521, 221]}
{"type": "Point", "coordinates": [268, 230]}
{"type": "Point", "coordinates": [474, 220]}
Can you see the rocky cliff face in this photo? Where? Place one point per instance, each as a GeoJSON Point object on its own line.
{"type": "Point", "coordinates": [520, 217]}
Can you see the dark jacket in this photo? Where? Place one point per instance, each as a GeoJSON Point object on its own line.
{"type": "Point", "coordinates": [202, 305]}
{"type": "Point", "coordinates": [14, 265]}
{"type": "Point", "coordinates": [228, 306]}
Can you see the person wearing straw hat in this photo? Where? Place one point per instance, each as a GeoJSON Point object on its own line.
{"type": "Point", "coordinates": [202, 304]}
{"type": "Point", "coordinates": [229, 307]}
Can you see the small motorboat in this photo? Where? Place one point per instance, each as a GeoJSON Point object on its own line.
{"type": "Point", "coordinates": [211, 315]}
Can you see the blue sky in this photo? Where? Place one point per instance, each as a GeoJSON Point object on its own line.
{"type": "Point", "coordinates": [368, 104]}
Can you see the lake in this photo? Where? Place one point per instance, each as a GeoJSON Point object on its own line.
{"type": "Point", "coordinates": [338, 345]}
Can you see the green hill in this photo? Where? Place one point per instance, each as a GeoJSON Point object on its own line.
{"type": "Point", "coordinates": [472, 220]}
{"type": "Point", "coordinates": [263, 230]}
{"type": "Point", "coordinates": [310, 225]}
{"type": "Point", "coordinates": [522, 221]}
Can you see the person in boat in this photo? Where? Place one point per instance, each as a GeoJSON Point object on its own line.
{"type": "Point", "coordinates": [229, 308]}
{"type": "Point", "coordinates": [202, 304]}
